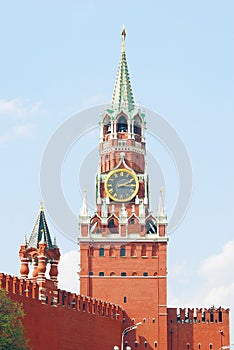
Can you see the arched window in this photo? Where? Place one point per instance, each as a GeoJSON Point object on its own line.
{"type": "Point", "coordinates": [122, 125]}
{"type": "Point", "coordinates": [188, 346]}
{"type": "Point", "coordinates": [122, 251]}
{"type": "Point", "coordinates": [123, 274]}
{"type": "Point", "coordinates": [133, 250]}
{"type": "Point", "coordinates": [199, 346]}
{"type": "Point", "coordinates": [101, 251]}
{"type": "Point", "coordinates": [143, 250]}
{"type": "Point", "coordinates": [107, 126]}
{"type": "Point", "coordinates": [154, 250]}
{"type": "Point", "coordinates": [112, 274]}
{"type": "Point", "coordinates": [112, 251]}
{"type": "Point", "coordinates": [101, 273]}
{"type": "Point", "coordinates": [211, 346]}
{"type": "Point", "coordinates": [91, 250]}
{"type": "Point", "coordinates": [111, 223]}
{"type": "Point", "coordinates": [137, 126]}
{"type": "Point", "coordinates": [145, 274]}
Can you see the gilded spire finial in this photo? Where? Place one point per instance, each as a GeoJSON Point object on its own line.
{"type": "Point", "coordinates": [123, 35]}
{"type": "Point", "coordinates": [41, 206]}
{"type": "Point", "coordinates": [122, 95]}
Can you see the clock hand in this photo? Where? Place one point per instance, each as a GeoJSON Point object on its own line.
{"type": "Point", "coordinates": [125, 184]}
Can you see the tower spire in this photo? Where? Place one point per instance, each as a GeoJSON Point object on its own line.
{"type": "Point", "coordinates": [123, 96]}
{"type": "Point", "coordinates": [161, 212]}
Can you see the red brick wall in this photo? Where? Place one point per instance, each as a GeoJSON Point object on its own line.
{"type": "Point", "coordinates": [194, 331]}
{"type": "Point", "coordinates": [64, 328]}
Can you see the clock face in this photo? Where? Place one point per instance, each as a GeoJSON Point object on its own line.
{"type": "Point", "coordinates": [121, 185]}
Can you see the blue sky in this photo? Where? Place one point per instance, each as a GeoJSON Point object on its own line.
{"type": "Point", "coordinates": [59, 58]}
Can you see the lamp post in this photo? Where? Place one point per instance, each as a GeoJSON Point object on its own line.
{"type": "Point", "coordinates": [127, 330]}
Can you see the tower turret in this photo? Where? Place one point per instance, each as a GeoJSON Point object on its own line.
{"type": "Point", "coordinates": [40, 252]}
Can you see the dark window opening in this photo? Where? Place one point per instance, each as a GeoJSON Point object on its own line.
{"type": "Point", "coordinates": [101, 273]}
{"type": "Point", "coordinates": [211, 346]}
{"type": "Point", "coordinates": [101, 251]}
{"type": "Point", "coordinates": [91, 273]}
{"type": "Point", "coordinates": [122, 251]}
{"type": "Point", "coordinates": [151, 227]}
{"type": "Point", "coordinates": [123, 274]}
{"type": "Point", "coordinates": [63, 299]}
{"type": "Point", "coordinates": [211, 316]}
{"type": "Point", "coordinates": [145, 273]}
{"type": "Point", "coordinates": [111, 223]}
{"type": "Point", "coordinates": [122, 125]}
{"type": "Point", "coordinates": [220, 316]}
{"type": "Point", "coordinates": [132, 221]}
{"type": "Point", "coordinates": [125, 300]}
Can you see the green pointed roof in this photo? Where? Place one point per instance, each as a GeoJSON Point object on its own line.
{"type": "Point", "coordinates": [123, 95]}
{"type": "Point", "coordinates": [40, 232]}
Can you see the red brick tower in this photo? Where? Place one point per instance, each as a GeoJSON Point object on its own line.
{"type": "Point", "coordinates": [40, 251]}
{"type": "Point", "coordinates": [123, 246]}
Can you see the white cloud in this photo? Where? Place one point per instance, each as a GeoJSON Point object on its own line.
{"type": "Point", "coordinates": [68, 268]}
{"type": "Point", "coordinates": [18, 108]}
{"type": "Point", "coordinates": [17, 117]}
{"type": "Point", "coordinates": [217, 270]}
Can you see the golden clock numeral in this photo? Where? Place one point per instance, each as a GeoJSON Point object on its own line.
{"type": "Point", "coordinates": [111, 190]}
{"type": "Point", "coordinates": [115, 175]}
{"type": "Point", "coordinates": [115, 195]}
{"type": "Point", "coordinates": [121, 173]}
{"type": "Point", "coordinates": [121, 197]}
{"type": "Point", "coordinates": [131, 190]}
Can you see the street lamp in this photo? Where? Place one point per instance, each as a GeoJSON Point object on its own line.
{"type": "Point", "coordinates": [127, 330]}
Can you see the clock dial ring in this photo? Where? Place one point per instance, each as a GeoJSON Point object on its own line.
{"type": "Point", "coordinates": [121, 185]}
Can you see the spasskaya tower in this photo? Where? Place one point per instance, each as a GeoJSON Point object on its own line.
{"type": "Point", "coordinates": [123, 246]}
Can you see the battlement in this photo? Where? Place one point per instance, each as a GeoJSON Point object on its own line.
{"type": "Point", "coordinates": [31, 289]}
{"type": "Point", "coordinates": [196, 315]}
